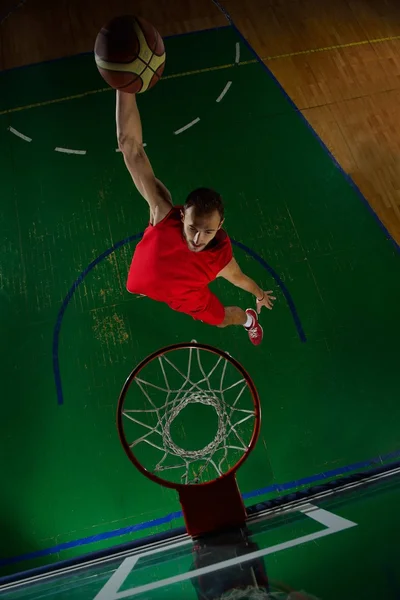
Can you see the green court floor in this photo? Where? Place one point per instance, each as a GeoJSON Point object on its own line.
{"type": "Point", "coordinates": [338, 544]}
{"type": "Point", "coordinates": [327, 371]}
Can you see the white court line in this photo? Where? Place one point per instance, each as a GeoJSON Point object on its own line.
{"type": "Point", "coordinates": [124, 569]}
{"type": "Point", "coordinates": [237, 58]}
{"type": "Point", "coordinates": [332, 522]}
{"type": "Point", "coordinates": [69, 151]}
{"type": "Point", "coordinates": [19, 134]}
{"type": "Point", "coordinates": [222, 94]}
{"type": "Point", "coordinates": [187, 126]}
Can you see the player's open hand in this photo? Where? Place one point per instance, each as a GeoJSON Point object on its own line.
{"type": "Point", "coordinates": [266, 300]}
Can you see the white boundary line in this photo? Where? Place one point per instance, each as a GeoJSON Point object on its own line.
{"type": "Point", "coordinates": [332, 522]}
{"type": "Point", "coordinates": [183, 538]}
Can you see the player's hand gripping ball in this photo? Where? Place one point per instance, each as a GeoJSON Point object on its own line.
{"type": "Point", "coordinates": [130, 54]}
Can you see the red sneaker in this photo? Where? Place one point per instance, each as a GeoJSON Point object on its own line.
{"type": "Point", "coordinates": [255, 330]}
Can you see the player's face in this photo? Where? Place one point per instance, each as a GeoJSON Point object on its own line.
{"type": "Point", "coordinates": [199, 230]}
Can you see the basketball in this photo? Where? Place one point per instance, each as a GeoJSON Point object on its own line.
{"type": "Point", "coordinates": [130, 54]}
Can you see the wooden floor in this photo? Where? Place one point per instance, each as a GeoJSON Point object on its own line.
{"type": "Point", "coordinates": [338, 60]}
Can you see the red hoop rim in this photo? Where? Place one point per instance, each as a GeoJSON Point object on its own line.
{"type": "Point", "coordinates": [140, 367]}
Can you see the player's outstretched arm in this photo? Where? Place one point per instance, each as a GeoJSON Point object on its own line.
{"type": "Point", "coordinates": [130, 142]}
{"type": "Point", "coordinates": [233, 273]}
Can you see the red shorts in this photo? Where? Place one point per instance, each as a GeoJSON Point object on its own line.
{"type": "Point", "coordinates": [211, 312]}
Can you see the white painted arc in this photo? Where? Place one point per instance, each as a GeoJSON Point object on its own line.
{"type": "Point", "coordinates": [177, 132]}
{"type": "Point", "coordinates": [237, 57]}
{"type": "Point", "coordinates": [69, 151]}
{"type": "Point", "coordinates": [19, 134]}
{"type": "Point", "coordinates": [222, 94]}
{"type": "Point", "coordinates": [187, 126]}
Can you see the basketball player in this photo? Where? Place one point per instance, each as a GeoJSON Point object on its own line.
{"type": "Point", "coordinates": [184, 247]}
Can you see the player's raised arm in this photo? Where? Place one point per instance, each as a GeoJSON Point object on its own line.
{"type": "Point", "coordinates": [130, 142]}
{"type": "Point", "coordinates": [233, 273]}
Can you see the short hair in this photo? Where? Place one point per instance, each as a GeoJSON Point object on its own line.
{"type": "Point", "coordinates": [205, 201]}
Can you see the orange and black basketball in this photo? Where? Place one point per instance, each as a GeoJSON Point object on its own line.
{"type": "Point", "coordinates": [130, 54]}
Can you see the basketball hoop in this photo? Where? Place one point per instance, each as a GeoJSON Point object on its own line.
{"type": "Point", "coordinates": [217, 392]}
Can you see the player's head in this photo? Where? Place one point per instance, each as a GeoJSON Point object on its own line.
{"type": "Point", "coordinates": [202, 217]}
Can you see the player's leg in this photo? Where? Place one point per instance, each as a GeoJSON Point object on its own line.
{"type": "Point", "coordinates": [234, 316]}
{"type": "Point", "coordinates": [215, 313]}
{"type": "Point", "coordinates": [248, 318]}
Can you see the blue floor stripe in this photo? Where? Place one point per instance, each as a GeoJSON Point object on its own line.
{"type": "Point", "coordinates": [256, 493]}
{"type": "Point", "coordinates": [170, 518]}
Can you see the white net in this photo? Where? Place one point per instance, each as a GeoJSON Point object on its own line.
{"type": "Point", "coordinates": [259, 593]}
{"type": "Point", "coordinates": [189, 415]}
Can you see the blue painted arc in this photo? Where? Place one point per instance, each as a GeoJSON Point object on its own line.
{"type": "Point", "coordinates": [96, 261]}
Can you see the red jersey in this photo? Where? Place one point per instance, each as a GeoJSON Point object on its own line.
{"type": "Point", "coordinates": [164, 269]}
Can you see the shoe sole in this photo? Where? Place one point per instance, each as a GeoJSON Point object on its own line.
{"type": "Point", "coordinates": [262, 337]}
